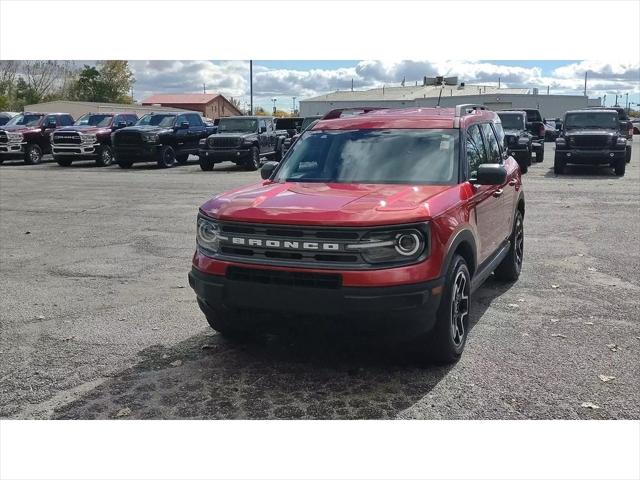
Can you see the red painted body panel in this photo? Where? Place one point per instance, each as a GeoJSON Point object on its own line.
{"type": "Point", "coordinates": [448, 208]}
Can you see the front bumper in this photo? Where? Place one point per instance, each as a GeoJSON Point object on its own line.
{"type": "Point", "coordinates": [590, 157]}
{"type": "Point", "coordinates": [82, 150]}
{"type": "Point", "coordinates": [225, 155]}
{"type": "Point", "coordinates": [138, 153]}
{"type": "Point", "coordinates": [12, 148]}
{"type": "Point", "coordinates": [391, 310]}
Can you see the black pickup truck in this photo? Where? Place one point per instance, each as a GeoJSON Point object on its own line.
{"type": "Point", "coordinates": [163, 137]}
{"type": "Point", "coordinates": [591, 137]}
{"type": "Point", "coordinates": [242, 140]}
{"type": "Point", "coordinates": [517, 138]}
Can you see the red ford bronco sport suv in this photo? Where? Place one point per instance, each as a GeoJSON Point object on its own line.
{"type": "Point", "coordinates": [386, 222]}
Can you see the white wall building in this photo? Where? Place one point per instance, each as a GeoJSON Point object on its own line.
{"type": "Point", "coordinates": [495, 98]}
{"type": "Point", "coordinates": [77, 109]}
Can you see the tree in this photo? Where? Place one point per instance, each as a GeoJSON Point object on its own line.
{"type": "Point", "coordinates": [88, 86]}
{"type": "Point", "coordinates": [117, 80]}
{"type": "Point", "coordinates": [281, 113]}
{"type": "Point", "coordinates": [260, 111]}
{"type": "Point", "coordinates": [44, 77]}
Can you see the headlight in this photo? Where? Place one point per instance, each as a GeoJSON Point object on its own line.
{"type": "Point", "coordinates": [388, 246]}
{"type": "Point", "coordinates": [523, 140]}
{"type": "Point", "coordinates": [88, 138]}
{"type": "Point", "coordinates": [150, 137]}
{"type": "Point", "coordinates": [560, 140]}
{"type": "Point", "coordinates": [621, 141]}
{"type": "Point", "coordinates": [14, 137]}
{"type": "Point", "coordinates": [202, 142]}
{"type": "Point", "coordinates": [208, 235]}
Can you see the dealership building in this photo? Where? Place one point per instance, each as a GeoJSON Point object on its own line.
{"type": "Point", "coordinates": [434, 92]}
{"type": "Point", "coordinates": [77, 109]}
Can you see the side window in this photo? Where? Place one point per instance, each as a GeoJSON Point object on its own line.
{"type": "Point", "coordinates": [476, 154]}
{"type": "Point", "coordinates": [194, 120]}
{"type": "Point", "coordinates": [261, 124]}
{"type": "Point", "coordinates": [51, 118]}
{"type": "Point", "coordinates": [493, 150]}
{"type": "Point", "coordinates": [67, 120]}
{"type": "Point", "coordinates": [132, 119]}
{"type": "Point", "coordinates": [500, 134]}
{"type": "Point", "coordinates": [180, 119]}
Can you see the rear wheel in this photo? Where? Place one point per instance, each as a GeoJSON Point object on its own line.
{"type": "Point", "coordinates": [167, 157]}
{"type": "Point", "coordinates": [64, 162]}
{"type": "Point", "coordinates": [206, 165]}
{"type": "Point", "coordinates": [183, 159]}
{"type": "Point", "coordinates": [106, 157]}
{"type": "Point", "coordinates": [449, 335]}
{"type": "Point", "coordinates": [620, 167]}
{"type": "Point", "coordinates": [540, 154]}
{"type": "Point", "coordinates": [125, 163]}
{"type": "Point", "coordinates": [558, 165]}
{"type": "Point", "coordinates": [509, 268]}
{"type": "Point", "coordinates": [254, 161]}
{"type": "Point", "coordinates": [33, 154]}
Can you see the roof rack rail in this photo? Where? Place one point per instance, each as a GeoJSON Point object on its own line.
{"type": "Point", "coordinates": [337, 113]}
{"type": "Point", "coordinates": [465, 108]}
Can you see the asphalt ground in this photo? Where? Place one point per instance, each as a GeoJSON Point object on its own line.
{"type": "Point", "coordinates": [98, 320]}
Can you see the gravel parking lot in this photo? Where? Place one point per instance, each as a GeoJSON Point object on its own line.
{"type": "Point", "coordinates": [98, 320]}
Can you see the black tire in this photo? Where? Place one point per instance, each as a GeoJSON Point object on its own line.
{"type": "Point", "coordinates": [627, 154]}
{"type": "Point", "coordinates": [206, 165]}
{"type": "Point", "coordinates": [33, 154]}
{"type": "Point", "coordinates": [106, 157]}
{"type": "Point", "coordinates": [540, 154]}
{"type": "Point", "coordinates": [558, 165]}
{"type": "Point", "coordinates": [64, 162]}
{"type": "Point", "coordinates": [226, 322]}
{"type": "Point", "coordinates": [183, 159]}
{"type": "Point", "coordinates": [167, 157]}
{"type": "Point", "coordinates": [619, 167]}
{"type": "Point", "coordinates": [277, 155]}
{"type": "Point", "coordinates": [449, 335]}
{"type": "Point", "coordinates": [509, 269]}
{"type": "Point", "coordinates": [253, 163]}
{"type": "Point", "coordinates": [124, 163]}
{"type": "Point", "coordinates": [529, 157]}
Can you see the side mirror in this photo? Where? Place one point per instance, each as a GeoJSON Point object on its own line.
{"type": "Point", "coordinates": [50, 125]}
{"type": "Point", "coordinates": [184, 125]}
{"type": "Point", "coordinates": [121, 124]}
{"type": "Point", "coordinates": [263, 129]}
{"type": "Point", "coordinates": [267, 169]}
{"type": "Point", "coordinates": [491, 174]}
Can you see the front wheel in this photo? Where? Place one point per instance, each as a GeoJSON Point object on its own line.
{"type": "Point", "coordinates": [620, 167]}
{"type": "Point", "coordinates": [33, 155]}
{"type": "Point", "coordinates": [64, 162]}
{"type": "Point", "coordinates": [206, 165]}
{"type": "Point", "coordinates": [124, 163]}
{"type": "Point", "coordinates": [558, 165]}
{"type": "Point", "coordinates": [226, 322]}
{"type": "Point", "coordinates": [106, 157]}
{"type": "Point", "coordinates": [449, 335]}
{"type": "Point", "coordinates": [253, 163]}
{"type": "Point", "coordinates": [510, 267]}
{"type": "Point", "coordinates": [627, 155]}
{"type": "Point", "coordinates": [167, 157]}
{"type": "Point", "coordinates": [540, 154]}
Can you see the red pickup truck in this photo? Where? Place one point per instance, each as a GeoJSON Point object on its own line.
{"type": "Point", "coordinates": [385, 222]}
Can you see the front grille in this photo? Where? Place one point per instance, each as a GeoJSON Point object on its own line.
{"type": "Point", "coordinates": [591, 141]}
{"type": "Point", "coordinates": [124, 137]}
{"type": "Point", "coordinates": [291, 279]}
{"type": "Point", "coordinates": [66, 138]}
{"type": "Point", "coordinates": [290, 245]}
{"type": "Point", "coordinates": [216, 141]}
{"type": "Point", "coordinates": [3, 137]}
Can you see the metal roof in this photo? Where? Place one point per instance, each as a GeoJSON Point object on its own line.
{"type": "Point", "coordinates": [181, 98]}
{"type": "Point", "coordinates": [414, 92]}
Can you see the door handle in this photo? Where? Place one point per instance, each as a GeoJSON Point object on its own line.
{"type": "Point", "coordinates": [513, 182]}
{"type": "Point", "coordinates": [498, 193]}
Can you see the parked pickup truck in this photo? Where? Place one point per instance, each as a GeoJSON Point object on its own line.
{"type": "Point", "coordinates": [383, 223]}
{"type": "Point", "coordinates": [89, 138]}
{"type": "Point", "coordinates": [163, 137]}
{"type": "Point", "coordinates": [242, 140]}
{"type": "Point", "coordinates": [591, 137]}
{"type": "Point", "coordinates": [27, 135]}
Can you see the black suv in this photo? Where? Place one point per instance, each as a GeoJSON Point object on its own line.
{"type": "Point", "coordinates": [163, 137]}
{"type": "Point", "coordinates": [591, 137]}
{"type": "Point", "coordinates": [535, 126]}
{"type": "Point", "coordinates": [517, 139]}
{"type": "Point", "coordinates": [626, 127]}
{"type": "Point", "coordinates": [242, 140]}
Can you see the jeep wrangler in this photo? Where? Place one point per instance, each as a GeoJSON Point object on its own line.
{"type": "Point", "coordinates": [591, 137]}
{"type": "Point", "coordinates": [517, 138]}
{"type": "Point", "coordinates": [385, 222]}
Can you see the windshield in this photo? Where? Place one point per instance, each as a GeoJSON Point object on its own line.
{"type": "Point", "coordinates": [28, 120]}
{"type": "Point", "coordinates": [591, 120]}
{"type": "Point", "coordinates": [373, 156]}
{"type": "Point", "coordinates": [512, 121]}
{"type": "Point", "coordinates": [95, 120]}
{"type": "Point", "coordinates": [237, 125]}
{"type": "Point", "coordinates": [157, 120]}
{"type": "Point", "coordinates": [533, 116]}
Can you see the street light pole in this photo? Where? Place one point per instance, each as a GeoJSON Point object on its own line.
{"type": "Point", "coordinates": [293, 110]}
{"type": "Point", "coordinates": [274, 105]}
{"type": "Point", "coordinates": [251, 86]}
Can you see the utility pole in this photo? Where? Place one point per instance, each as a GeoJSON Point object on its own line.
{"type": "Point", "coordinates": [626, 101]}
{"type": "Point", "coordinates": [585, 84]}
{"type": "Point", "coordinates": [293, 110]}
{"type": "Point", "coordinates": [616, 104]}
{"type": "Point", "coordinates": [498, 83]}
{"type": "Point", "coordinates": [204, 88]}
{"type": "Point", "coordinates": [251, 86]}
{"type": "Point", "coordinates": [352, 84]}
{"type": "Point", "coordinates": [547, 89]}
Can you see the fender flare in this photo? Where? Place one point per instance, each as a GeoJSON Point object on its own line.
{"type": "Point", "coordinates": [462, 236]}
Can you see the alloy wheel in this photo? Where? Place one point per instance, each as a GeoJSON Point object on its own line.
{"type": "Point", "coordinates": [459, 307]}
{"type": "Point", "coordinates": [519, 242]}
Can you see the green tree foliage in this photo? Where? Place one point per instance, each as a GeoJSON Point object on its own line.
{"type": "Point", "coordinates": [108, 81]}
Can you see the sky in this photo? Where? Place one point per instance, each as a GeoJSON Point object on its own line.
{"type": "Point", "coordinates": [285, 79]}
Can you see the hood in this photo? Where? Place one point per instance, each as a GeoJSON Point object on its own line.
{"type": "Point", "coordinates": [330, 203]}
{"type": "Point", "coordinates": [234, 134]}
{"type": "Point", "coordinates": [144, 128]}
{"type": "Point", "coordinates": [83, 129]}
{"type": "Point", "coordinates": [592, 131]}
{"type": "Point", "coordinates": [19, 128]}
